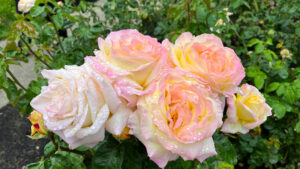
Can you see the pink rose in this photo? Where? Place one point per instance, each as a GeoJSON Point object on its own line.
{"type": "Point", "coordinates": [130, 60]}
{"type": "Point", "coordinates": [177, 119]}
{"type": "Point", "coordinates": [246, 111]}
{"type": "Point", "coordinates": [79, 104]}
{"type": "Point", "coordinates": [205, 56]}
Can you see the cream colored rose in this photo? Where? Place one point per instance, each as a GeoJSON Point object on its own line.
{"type": "Point", "coordinates": [206, 57]}
{"type": "Point", "coordinates": [246, 111]}
{"type": "Point", "coordinates": [25, 5]}
{"type": "Point", "coordinates": [78, 105]}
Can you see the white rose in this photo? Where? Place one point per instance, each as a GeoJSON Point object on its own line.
{"type": "Point", "coordinates": [25, 5]}
{"type": "Point", "coordinates": [77, 103]}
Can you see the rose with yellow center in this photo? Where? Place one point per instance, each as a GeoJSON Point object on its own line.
{"type": "Point", "coordinates": [177, 119]}
{"type": "Point", "coordinates": [206, 57]}
{"type": "Point", "coordinates": [37, 121]}
{"type": "Point", "coordinates": [246, 111]}
{"type": "Point", "coordinates": [130, 60]}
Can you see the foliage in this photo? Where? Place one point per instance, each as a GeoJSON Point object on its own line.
{"type": "Point", "coordinates": [257, 30]}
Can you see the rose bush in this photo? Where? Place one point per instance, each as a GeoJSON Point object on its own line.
{"type": "Point", "coordinates": [135, 65]}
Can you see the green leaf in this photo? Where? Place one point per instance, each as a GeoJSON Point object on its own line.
{"type": "Point", "coordinates": [201, 14]}
{"type": "Point", "coordinates": [289, 94]}
{"type": "Point", "coordinates": [135, 154]}
{"type": "Point", "coordinates": [49, 148]}
{"type": "Point", "coordinates": [12, 92]}
{"type": "Point", "coordinates": [259, 80]}
{"type": "Point", "coordinates": [253, 42]}
{"type": "Point", "coordinates": [75, 160]}
{"type": "Point", "coordinates": [3, 78]}
{"type": "Point", "coordinates": [297, 31]}
{"type": "Point", "coordinates": [11, 46]}
{"type": "Point", "coordinates": [60, 162]}
{"type": "Point", "coordinates": [225, 149]}
{"type": "Point", "coordinates": [280, 90]}
{"type": "Point", "coordinates": [272, 87]}
{"type": "Point", "coordinates": [225, 165]}
{"type": "Point", "coordinates": [109, 155]}
{"type": "Point", "coordinates": [268, 55]}
{"type": "Point", "coordinates": [279, 109]}
{"type": "Point", "coordinates": [58, 20]}
{"type": "Point", "coordinates": [37, 165]}
{"type": "Point", "coordinates": [252, 71]}
{"type": "Point", "coordinates": [11, 61]}
{"type": "Point", "coordinates": [26, 28]}
{"type": "Point", "coordinates": [180, 164]}
{"type": "Point", "coordinates": [297, 128]}
{"type": "Point", "coordinates": [83, 6]}
{"type": "Point", "coordinates": [259, 47]}
{"type": "Point", "coordinates": [37, 10]}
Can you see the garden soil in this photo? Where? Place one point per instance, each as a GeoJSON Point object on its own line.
{"type": "Point", "coordinates": [16, 149]}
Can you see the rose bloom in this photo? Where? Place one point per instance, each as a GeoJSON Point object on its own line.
{"type": "Point", "coordinates": [60, 3]}
{"type": "Point", "coordinates": [177, 119]}
{"type": "Point", "coordinates": [37, 121]}
{"type": "Point", "coordinates": [205, 56]}
{"type": "Point", "coordinates": [25, 5]}
{"type": "Point", "coordinates": [131, 60]}
{"type": "Point", "coordinates": [79, 104]}
{"type": "Point", "coordinates": [246, 111]}
{"type": "Point", "coordinates": [285, 53]}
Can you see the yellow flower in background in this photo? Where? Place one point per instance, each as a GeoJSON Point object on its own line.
{"type": "Point", "coordinates": [285, 53]}
{"type": "Point", "coordinates": [37, 121]}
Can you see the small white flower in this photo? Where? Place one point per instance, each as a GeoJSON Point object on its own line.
{"type": "Point", "coordinates": [211, 29]}
{"type": "Point", "coordinates": [220, 22]}
{"type": "Point", "coordinates": [228, 14]}
{"type": "Point", "coordinates": [25, 5]}
{"type": "Point", "coordinates": [218, 31]}
{"type": "Point", "coordinates": [60, 3]}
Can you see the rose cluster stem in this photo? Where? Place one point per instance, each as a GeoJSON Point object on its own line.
{"type": "Point", "coordinates": [63, 148]}
{"type": "Point", "coordinates": [15, 79]}
{"type": "Point", "coordinates": [34, 54]}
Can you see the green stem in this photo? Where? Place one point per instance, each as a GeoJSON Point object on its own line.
{"type": "Point", "coordinates": [238, 35]}
{"type": "Point", "coordinates": [188, 12]}
{"type": "Point", "coordinates": [29, 48]}
{"type": "Point", "coordinates": [50, 54]}
{"type": "Point", "coordinates": [57, 33]}
{"type": "Point", "coordinates": [59, 41]}
{"type": "Point", "coordinates": [34, 54]}
{"type": "Point", "coordinates": [15, 79]}
{"type": "Point", "coordinates": [255, 5]}
{"type": "Point", "coordinates": [64, 149]}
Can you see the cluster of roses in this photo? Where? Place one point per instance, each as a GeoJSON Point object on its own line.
{"type": "Point", "coordinates": [170, 96]}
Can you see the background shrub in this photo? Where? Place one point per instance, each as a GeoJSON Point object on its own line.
{"type": "Point", "coordinates": [264, 34]}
